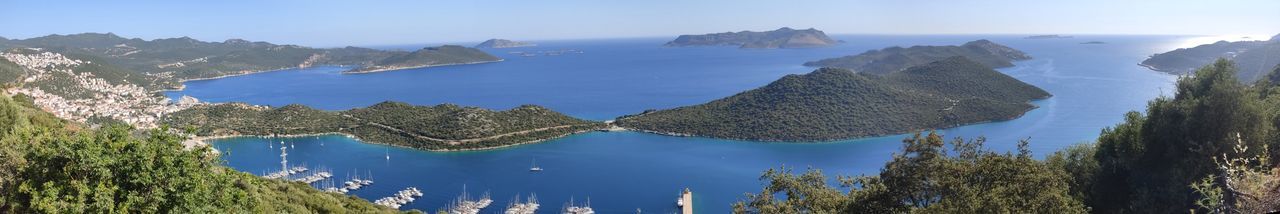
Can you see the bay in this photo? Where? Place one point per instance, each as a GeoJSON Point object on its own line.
{"type": "Point", "coordinates": [1093, 86]}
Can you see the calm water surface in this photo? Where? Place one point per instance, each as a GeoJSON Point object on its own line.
{"type": "Point", "coordinates": [1093, 85]}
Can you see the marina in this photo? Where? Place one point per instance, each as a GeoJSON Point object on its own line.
{"type": "Point", "coordinates": [400, 198]}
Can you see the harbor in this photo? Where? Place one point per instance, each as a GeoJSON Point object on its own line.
{"type": "Point", "coordinates": [293, 160]}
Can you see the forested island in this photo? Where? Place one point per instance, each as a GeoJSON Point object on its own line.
{"type": "Point", "coordinates": [503, 43]}
{"type": "Point", "coordinates": [892, 59]}
{"type": "Point", "coordinates": [1254, 58]}
{"type": "Point", "coordinates": [444, 127]}
{"type": "Point", "coordinates": [780, 38]}
{"type": "Point", "coordinates": [834, 103]}
{"type": "Point", "coordinates": [428, 57]}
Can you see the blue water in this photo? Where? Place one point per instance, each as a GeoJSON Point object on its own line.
{"type": "Point", "coordinates": [1093, 85]}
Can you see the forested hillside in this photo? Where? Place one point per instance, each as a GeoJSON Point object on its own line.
{"type": "Point", "coordinates": [832, 103]}
{"type": "Point", "coordinates": [441, 127]}
{"type": "Point", "coordinates": [1206, 149]}
{"type": "Point", "coordinates": [893, 59]}
{"type": "Point", "coordinates": [48, 165]}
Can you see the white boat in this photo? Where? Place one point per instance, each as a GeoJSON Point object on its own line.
{"type": "Point", "coordinates": [534, 167]}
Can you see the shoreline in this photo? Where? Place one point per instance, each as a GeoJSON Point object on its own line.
{"type": "Point", "coordinates": [203, 141]}
{"type": "Point", "coordinates": [416, 67]}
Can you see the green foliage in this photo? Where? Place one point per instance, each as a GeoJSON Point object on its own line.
{"type": "Point", "coordinates": [441, 127]}
{"type": "Point", "coordinates": [893, 59]}
{"type": "Point", "coordinates": [1149, 162]}
{"type": "Point", "coordinates": [1255, 59]}
{"type": "Point", "coordinates": [10, 74]}
{"type": "Point", "coordinates": [49, 169]}
{"type": "Point", "coordinates": [831, 103]}
{"type": "Point", "coordinates": [925, 178]}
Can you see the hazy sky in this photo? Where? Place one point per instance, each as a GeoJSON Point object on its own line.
{"type": "Point", "coordinates": [338, 23]}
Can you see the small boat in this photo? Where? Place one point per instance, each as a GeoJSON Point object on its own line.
{"type": "Point", "coordinates": [535, 167]}
{"type": "Point", "coordinates": [388, 153]}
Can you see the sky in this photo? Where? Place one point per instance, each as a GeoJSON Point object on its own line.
{"type": "Point", "coordinates": [328, 23]}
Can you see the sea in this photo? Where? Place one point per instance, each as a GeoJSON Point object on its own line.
{"type": "Point", "coordinates": [1093, 85]}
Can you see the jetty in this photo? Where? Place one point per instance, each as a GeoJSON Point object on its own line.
{"type": "Point", "coordinates": [685, 202]}
{"type": "Point", "coordinates": [400, 198]}
{"type": "Point", "coordinates": [529, 206]}
{"type": "Point", "coordinates": [315, 176]}
{"type": "Point", "coordinates": [464, 204]}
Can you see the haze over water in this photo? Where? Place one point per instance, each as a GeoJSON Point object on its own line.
{"type": "Point", "coordinates": [1093, 86]}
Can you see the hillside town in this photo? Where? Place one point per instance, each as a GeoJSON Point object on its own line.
{"type": "Point", "coordinates": [55, 86]}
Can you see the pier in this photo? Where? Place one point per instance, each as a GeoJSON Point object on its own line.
{"type": "Point", "coordinates": [529, 206]}
{"type": "Point", "coordinates": [464, 204]}
{"type": "Point", "coordinates": [685, 202]}
{"type": "Point", "coordinates": [400, 198]}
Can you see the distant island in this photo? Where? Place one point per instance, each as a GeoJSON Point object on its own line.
{"type": "Point", "coordinates": [893, 59]}
{"type": "Point", "coordinates": [1254, 58]}
{"type": "Point", "coordinates": [1093, 43]}
{"type": "Point", "coordinates": [428, 57]}
{"type": "Point", "coordinates": [780, 38]}
{"type": "Point", "coordinates": [1051, 36]}
{"type": "Point", "coordinates": [834, 103]}
{"type": "Point", "coordinates": [503, 43]}
{"type": "Point", "coordinates": [438, 128]}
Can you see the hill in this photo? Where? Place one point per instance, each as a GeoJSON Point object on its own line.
{"type": "Point", "coordinates": [503, 43]}
{"type": "Point", "coordinates": [1254, 58]}
{"type": "Point", "coordinates": [780, 38]}
{"type": "Point", "coordinates": [439, 128]}
{"type": "Point", "coordinates": [49, 165]}
{"type": "Point", "coordinates": [429, 57]}
{"type": "Point", "coordinates": [833, 103]}
{"type": "Point", "coordinates": [893, 59]}
{"type": "Point", "coordinates": [173, 60]}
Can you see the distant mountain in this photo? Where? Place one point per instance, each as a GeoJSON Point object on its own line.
{"type": "Point", "coordinates": [503, 43]}
{"type": "Point", "coordinates": [428, 57]}
{"type": "Point", "coordinates": [1093, 43]}
{"type": "Point", "coordinates": [897, 58]}
{"type": "Point", "coordinates": [1051, 36]}
{"type": "Point", "coordinates": [439, 128]}
{"type": "Point", "coordinates": [178, 59]}
{"type": "Point", "coordinates": [780, 38]}
{"type": "Point", "coordinates": [1253, 58]}
{"type": "Point", "coordinates": [834, 103]}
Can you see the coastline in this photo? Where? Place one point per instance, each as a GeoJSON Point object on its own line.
{"type": "Point", "coordinates": [678, 134]}
{"type": "Point", "coordinates": [203, 141]}
{"type": "Point", "coordinates": [353, 71]}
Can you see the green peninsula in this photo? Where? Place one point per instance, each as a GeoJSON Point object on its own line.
{"type": "Point", "coordinates": [443, 127]}
{"type": "Point", "coordinates": [835, 103]}
{"type": "Point", "coordinates": [1254, 58]}
{"type": "Point", "coordinates": [892, 59]}
{"type": "Point", "coordinates": [165, 63]}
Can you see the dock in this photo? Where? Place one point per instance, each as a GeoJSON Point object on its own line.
{"type": "Point", "coordinates": [400, 198]}
{"type": "Point", "coordinates": [685, 202]}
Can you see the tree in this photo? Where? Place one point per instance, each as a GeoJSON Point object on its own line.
{"type": "Point", "coordinates": [926, 178]}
